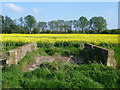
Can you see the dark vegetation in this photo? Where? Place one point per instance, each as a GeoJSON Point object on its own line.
{"type": "Point", "coordinates": [59, 74]}
{"type": "Point", "coordinates": [29, 25]}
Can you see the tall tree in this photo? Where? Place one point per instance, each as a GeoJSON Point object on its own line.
{"type": "Point", "coordinates": [67, 26]}
{"type": "Point", "coordinates": [1, 23]}
{"type": "Point", "coordinates": [21, 20]}
{"type": "Point", "coordinates": [98, 23]}
{"type": "Point", "coordinates": [21, 25]}
{"type": "Point", "coordinates": [7, 22]}
{"type": "Point", "coordinates": [30, 22]}
{"type": "Point", "coordinates": [51, 25]}
{"type": "Point", "coordinates": [14, 27]}
{"type": "Point", "coordinates": [60, 25]}
{"type": "Point", "coordinates": [41, 26]}
{"type": "Point", "coordinates": [102, 24]}
{"type": "Point", "coordinates": [83, 23]}
{"type": "Point", "coordinates": [70, 24]}
{"type": "Point", "coordinates": [92, 23]}
{"type": "Point", "coordinates": [76, 25]}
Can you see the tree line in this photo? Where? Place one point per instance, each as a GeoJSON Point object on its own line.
{"type": "Point", "coordinates": [29, 25]}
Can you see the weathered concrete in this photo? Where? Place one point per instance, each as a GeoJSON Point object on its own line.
{"type": "Point", "coordinates": [104, 56]}
{"type": "Point", "coordinates": [91, 53]}
{"type": "Point", "coordinates": [43, 59]}
{"type": "Point", "coordinates": [15, 55]}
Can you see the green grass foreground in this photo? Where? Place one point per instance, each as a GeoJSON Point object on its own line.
{"type": "Point", "coordinates": [60, 75]}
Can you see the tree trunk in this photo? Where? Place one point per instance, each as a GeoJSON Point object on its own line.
{"type": "Point", "coordinates": [82, 30]}
{"type": "Point", "coordinates": [30, 31]}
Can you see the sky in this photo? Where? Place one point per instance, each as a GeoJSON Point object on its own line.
{"type": "Point", "coordinates": [48, 11]}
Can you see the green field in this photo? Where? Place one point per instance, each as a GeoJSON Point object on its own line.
{"type": "Point", "coordinates": [59, 74]}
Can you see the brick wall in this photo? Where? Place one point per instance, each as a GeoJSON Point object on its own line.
{"type": "Point", "coordinates": [17, 54]}
{"type": "Point", "coordinates": [99, 54]}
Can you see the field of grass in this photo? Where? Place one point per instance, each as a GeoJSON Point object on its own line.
{"type": "Point", "coordinates": [58, 74]}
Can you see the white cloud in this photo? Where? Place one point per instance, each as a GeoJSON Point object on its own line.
{"type": "Point", "coordinates": [37, 10]}
{"type": "Point", "coordinates": [14, 7]}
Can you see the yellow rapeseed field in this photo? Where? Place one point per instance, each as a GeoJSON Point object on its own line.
{"type": "Point", "coordinates": [52, 38]}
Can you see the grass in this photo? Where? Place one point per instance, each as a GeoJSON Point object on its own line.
{"type": "Point", "coordinates": [10, 45]}
{"type": "Point", "coordinates": [11, 76]}
{"type": "Point", "coordinates": [60, 75]}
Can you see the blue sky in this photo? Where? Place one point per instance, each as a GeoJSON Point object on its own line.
{"type": "Point", "coordinates": [48, 11]}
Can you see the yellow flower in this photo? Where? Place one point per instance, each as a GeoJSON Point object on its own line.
{"type": "Point", "coordinates": [52, 38]}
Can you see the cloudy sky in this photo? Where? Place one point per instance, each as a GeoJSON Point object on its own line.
{"type": "Point", "coordinates": [47, 11]}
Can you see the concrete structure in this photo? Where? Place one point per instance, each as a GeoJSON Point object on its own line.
{"type": "Point", "coordinates": [90, 52]}
{"type": "Point", "coordinates": [101, 55]}
{"type": "Point", "coordinates": [15, 55]}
